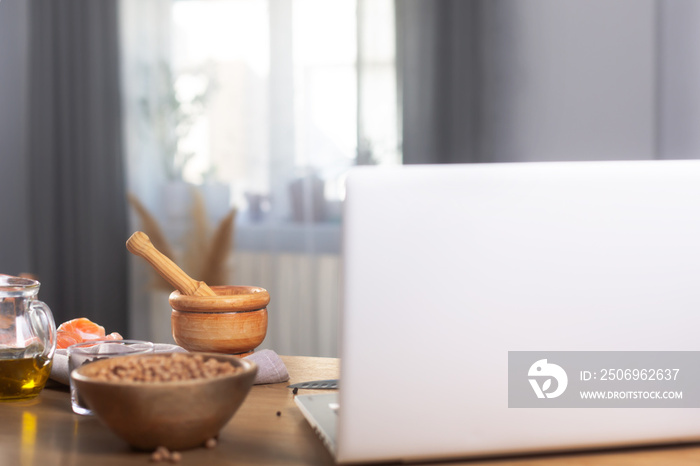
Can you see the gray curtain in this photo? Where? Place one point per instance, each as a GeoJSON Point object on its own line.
{"type": "Point", "coordinates": [544, 80]}
{"type": "Point", "coordinates": [14, 243]}
{"type": "Point", "coordinates": [77, 200]}
{"type": "Point", "coordinates": [437, 56]}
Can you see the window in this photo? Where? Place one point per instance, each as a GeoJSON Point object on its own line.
{"type": "Point", "coordinates": [280, 91]}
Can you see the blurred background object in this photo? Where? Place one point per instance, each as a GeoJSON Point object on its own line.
{"type": "Point", "coordinates": [201, 108]}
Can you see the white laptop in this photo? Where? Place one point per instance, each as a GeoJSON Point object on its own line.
{"type": "Point", "coordinates": [449, 268]}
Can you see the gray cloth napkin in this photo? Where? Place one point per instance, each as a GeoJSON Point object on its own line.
{"type": "Point", "coordinates": [271, 369]}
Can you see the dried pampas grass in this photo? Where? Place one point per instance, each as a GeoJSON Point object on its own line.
{"type": "Point", "coordinates": [215, 271]}
{"type": "Point", "coordinates": [206, 256]}
{"type": "Point", "coordinates": [150, 226]}
{"type": "Point", "coordinates": [197, 238]}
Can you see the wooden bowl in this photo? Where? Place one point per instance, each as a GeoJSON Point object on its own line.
{"type": "Point", "coordinates": [176, 415]}
{"type": "Point", "coordinates": [233, 322]}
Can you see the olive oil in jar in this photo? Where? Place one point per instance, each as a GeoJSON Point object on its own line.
{"type": "Point", "coordinates": [23, 378]}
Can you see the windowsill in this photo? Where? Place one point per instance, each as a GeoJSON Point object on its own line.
{"type": "Point", "coordinates": [288, 237]}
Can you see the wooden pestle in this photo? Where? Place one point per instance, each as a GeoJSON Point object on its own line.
{"type": "Point", "coordinates": [140, 245]}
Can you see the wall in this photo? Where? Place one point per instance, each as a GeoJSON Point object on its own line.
{"type": "Point", "coordinates": [14, 240]}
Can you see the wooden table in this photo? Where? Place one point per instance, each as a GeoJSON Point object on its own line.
{"type": "Point", "coordinates": [45, 432]}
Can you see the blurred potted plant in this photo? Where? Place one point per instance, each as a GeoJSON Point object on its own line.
{"type": "Point", "coordinates": [180, 101]}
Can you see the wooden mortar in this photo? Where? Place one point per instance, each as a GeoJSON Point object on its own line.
{"type": "Point", "coordinates": [234, 321]}
{"type": "Point", "coordinates": [217, 319]}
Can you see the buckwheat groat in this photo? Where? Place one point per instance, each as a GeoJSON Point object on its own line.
{"type": "Point", "coordinates": [164, 368]}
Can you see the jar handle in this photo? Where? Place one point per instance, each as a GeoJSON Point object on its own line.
{"type": "Point", "coordinates": [43, 325]}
